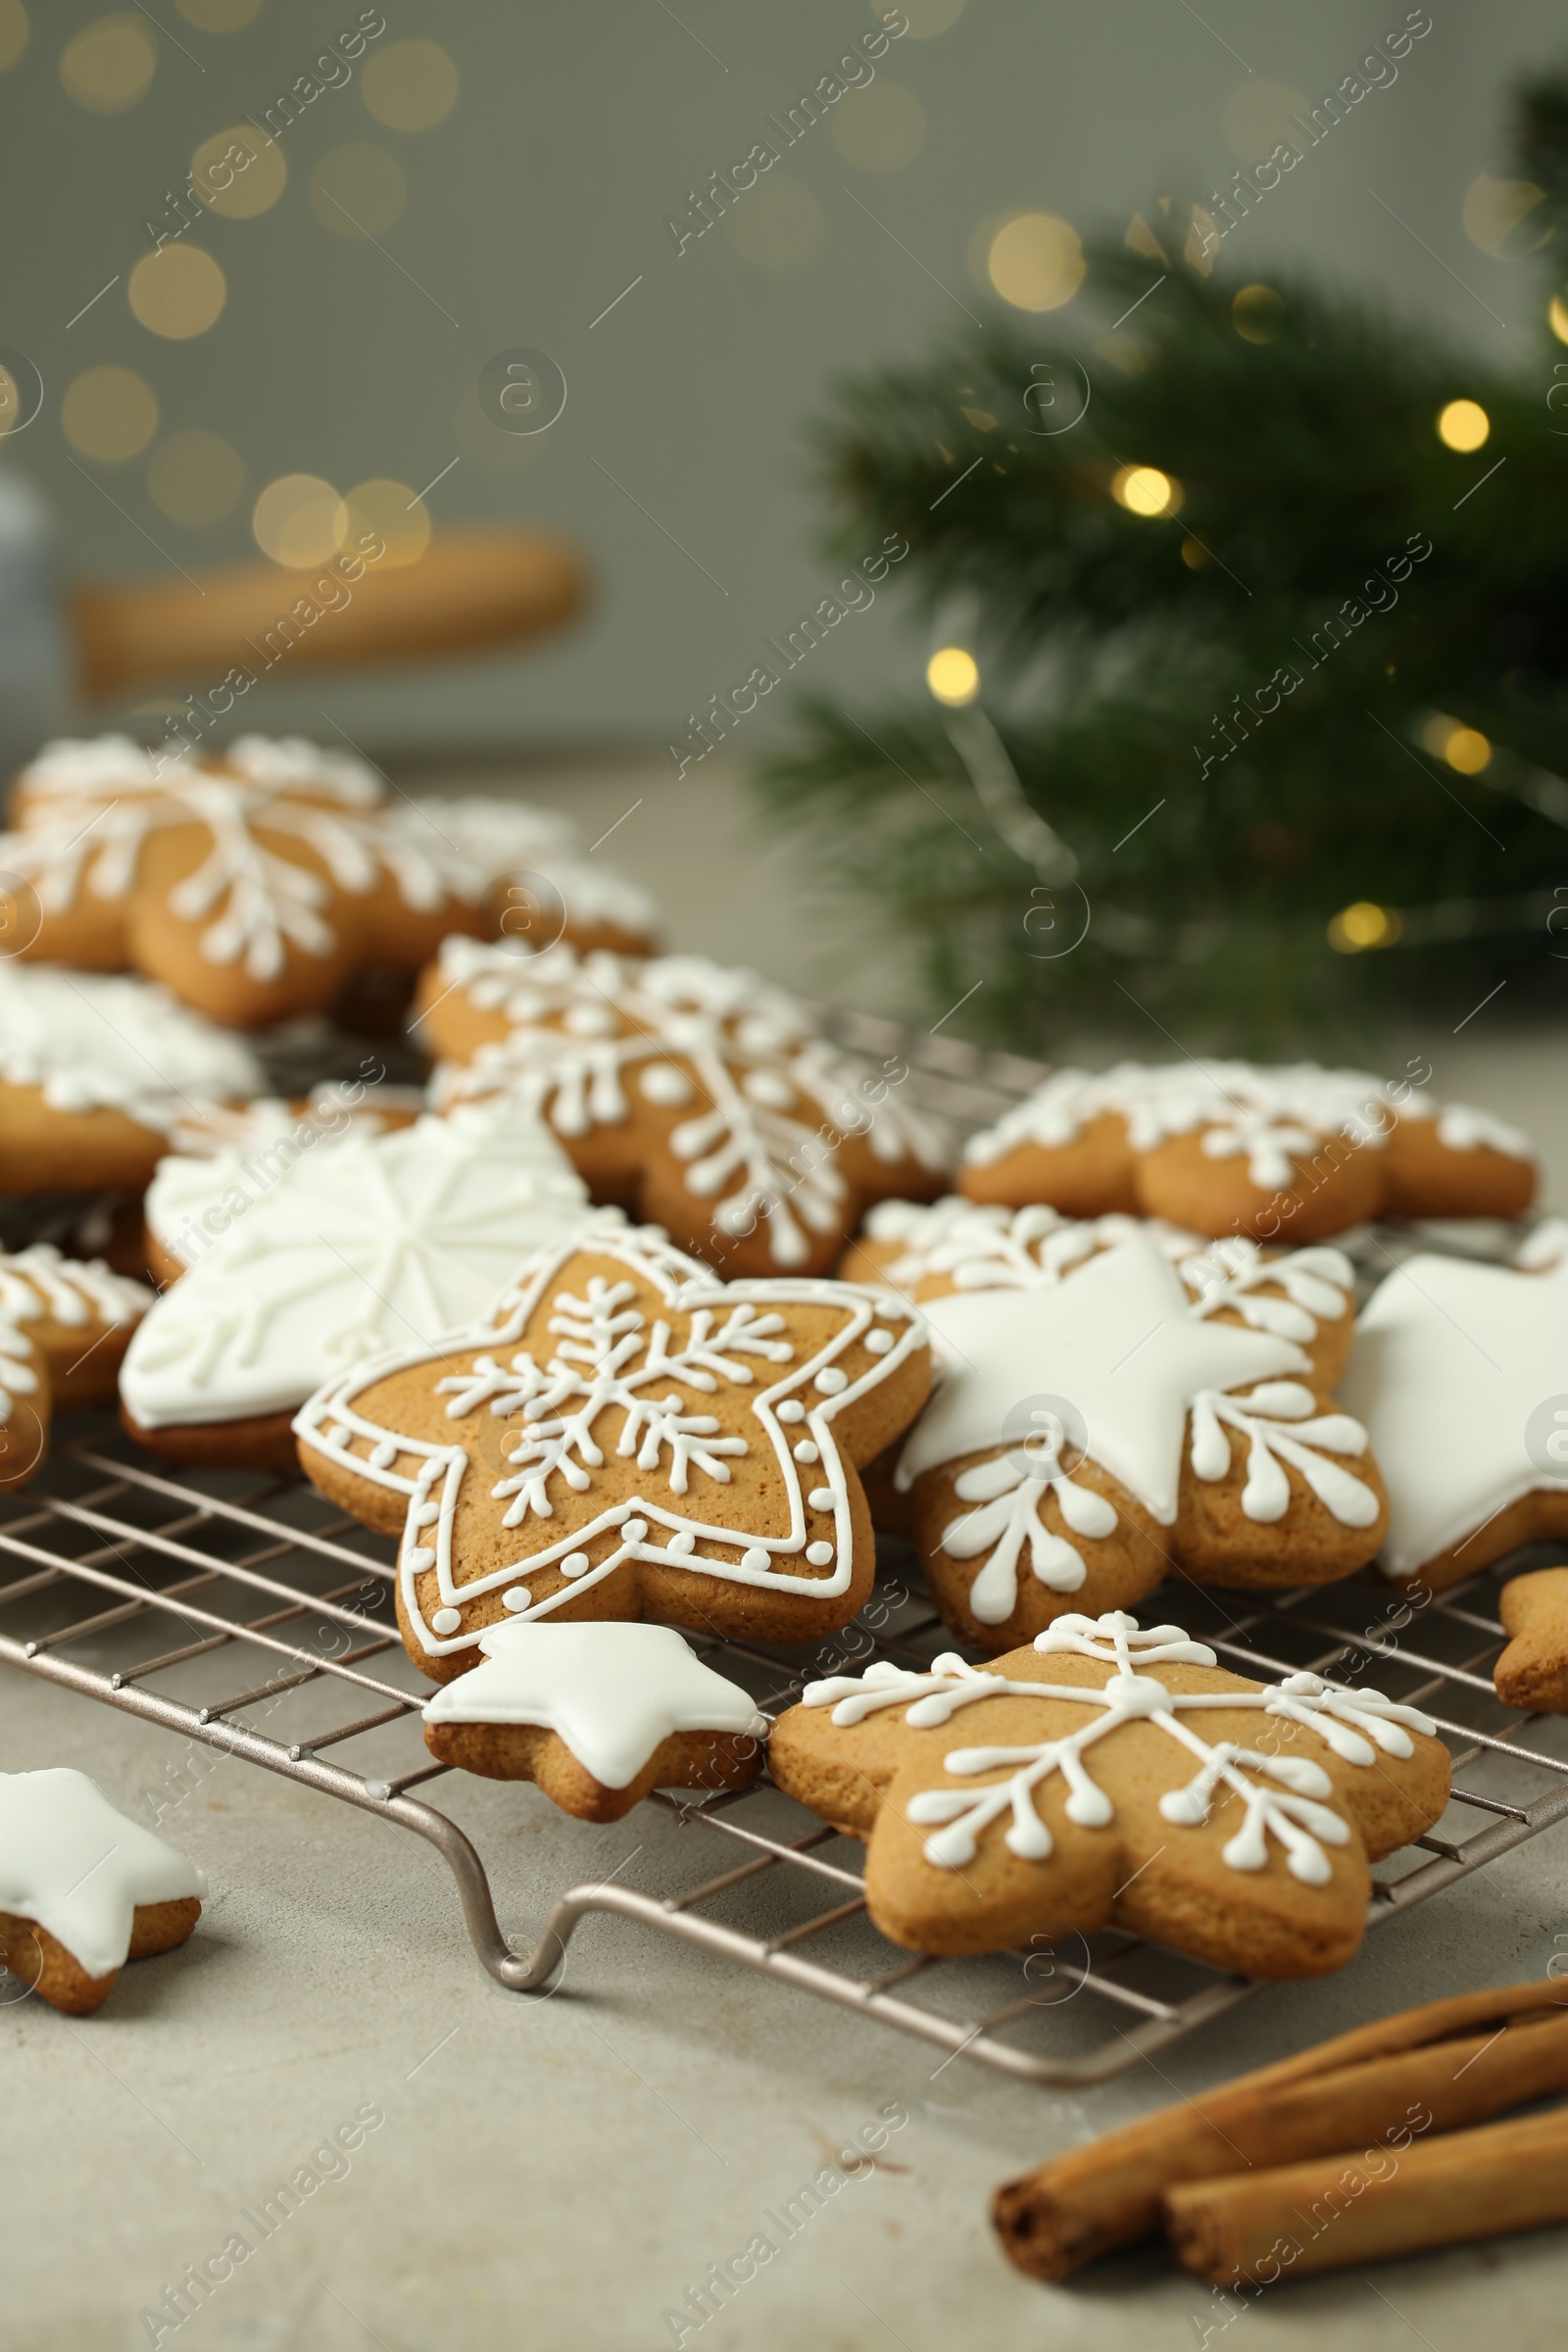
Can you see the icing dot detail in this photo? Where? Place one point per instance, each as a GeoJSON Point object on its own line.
{"type": "Point", "coordinates": [420, 1558]}
{"type": "Point", "coordinates": [517, 1597]}
{"type": "Point", "coordinates": [576, 1563]}
{"type": "Point", "coordinates": [665, 1082]}
{"type": "Point", "coordinates": [447, 1620]}
{"type": "Point", "coordinates": [830, 1380]}
{"type": "Point", "coordinates": [792, 1409]}
{"type": "Point", "coordinates": [683, 1544]}
{"type": "Point", "coordinates": [821, 1499]}
{"type": "Point", "coordinates": [634, 1530]}
{"type": "Point", "coordinates": [806, 1452]}
{"type": "Point", "coordinates": [819, 1554]}
{"type": "Point", "coordinates": [877, 1343]}
{"type": "Point", "coordinates": [755, 1559]}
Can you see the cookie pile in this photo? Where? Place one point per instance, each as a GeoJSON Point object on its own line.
{"type": "Point", "coordinates": [1289, 1153]}
{"type": "Point", "coordinates": [257, 883]}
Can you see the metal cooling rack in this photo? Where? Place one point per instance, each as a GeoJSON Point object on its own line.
{"type": "Point", "coordinates": [242, 1613]}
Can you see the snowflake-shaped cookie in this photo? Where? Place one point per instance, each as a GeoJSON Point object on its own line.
{"type": "Point", "coordinates": [301, 1264]}
{"type": "Point", "coordinates": [628, 1436]}
{"type": "Point", "coordinates": [1105, 1415]}
{"type": "Point", "coordinates": [692, 1095]}
{"type": "Point", "coordinates": [1109, 1775]}
{"type": "Point", "coordinates": [1460, 1373]}
{"type": "Point", "coordinates": [1290, 1152]}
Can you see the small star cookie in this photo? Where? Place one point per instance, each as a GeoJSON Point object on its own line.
{"type": "Point", "coordinates": [597, 1715]}
{"type": "Point", "coordinates": [1109, 1775]}
{"type": "Point", "coordinates": [626, 1436]}
{"type": "Point", "coordinates": [82, 1889]}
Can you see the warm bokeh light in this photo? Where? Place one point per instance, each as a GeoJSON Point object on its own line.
{"type": "Point", "coordinates": [953, 675]}
{"type": "Point", "coordinates": [1364, 925]}
{"type": "Point", "coordinates": [218, 16]}
{"type": "Point", "coordinates": [1256, 312]}
{"type": "Point", "coordinates": [1463, 425]}
{"type": "Point", "coordinates": [411, 86]}
{"type": "Point", "coordinates": [1557, 318]}
{"type": "Point", "coordinates": [926, 19]}
{"type": "Point", "coordinates": [358, 190]}
{"type": "Point", "coordinates": [299, 520]}
{"type": "Point", "coordinates": [109, 65]}
{"type": "Point", "coordinates": [392, 512]}
{"type": "Point", "coordinates": [13, 32]}
{"type": "Point", "coordinates": [1468, 750]}
{"type": "Point", "coordinates": [177, 291]}
{"type": "Point", "coordinates": [1036, 262]}
{"type": "Point", "coordinates": [1145, 490]}
{"type": "Point", "coordinates": [1194, 555]}
{"type": "Point", "coordinates": [1495, 214]}
{"type": "Point", "coordinates": [108, 414]}
{"type": "Point", "coordinates": [879, 129]}
{"type": "Point", "coordinates": [239, 172]}
{"type": "Point", "coordinates": [779, 226]}
{"type": "Point", "coordinates": [194, 476]}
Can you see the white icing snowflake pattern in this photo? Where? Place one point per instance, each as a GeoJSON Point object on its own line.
{"type": "Point", "coordinates": [610, 1354]}
{"type": "Point", "coordinates": [1281, 1797]}
{"type": "Point", "coordinates": [684, 1031]}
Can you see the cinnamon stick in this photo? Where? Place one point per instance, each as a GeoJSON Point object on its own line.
{"type": "Point", "coordinates": [1253, 2229]}
{"type": "Point", "coordinates": [1342, 2093]}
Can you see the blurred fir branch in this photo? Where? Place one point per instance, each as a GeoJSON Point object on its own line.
{"type": "Point", "coordinates": [1320, 532]}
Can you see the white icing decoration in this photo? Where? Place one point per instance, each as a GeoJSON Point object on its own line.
{"type": "Point", "coordinates": [473, 843]}
{"type": "Point", "coordinates": [73, 1866]}
{"type": "Point", "coordinates": [1282, 1795]}
{"type": "Point", "coordinates": [609, 1355]}
{"type": "Point", "coordinates": [1137, 1351]}
{"type": "Point", "coordinates": [755, 1156]}
{"type": "Point", "coordinates": [1451, 1359]}
{"type": "Point", "coordinates": [37, 1281]}
{"type": "Point", "coordinates": [1275, 1117]}
{"type": "Point", "coordinates": [227, 1159]}
{"type": "Point", "coordinates": [93, 1043]}
{"type": "Point", "coordinates": [613, 1693]}
{"type": "Point", "coordinates": [382, 1238]}
{"type": "Point", "coordinates": [89, 811]}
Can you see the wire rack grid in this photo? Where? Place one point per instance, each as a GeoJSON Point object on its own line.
{"type": "Point", "coordinates": [242, 1613]}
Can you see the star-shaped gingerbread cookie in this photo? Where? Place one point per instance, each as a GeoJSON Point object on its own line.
{"type": "Point", "coordinates": [597, 1715]}
{"type": "Point", "coordinates": [1460, 1373]}
{"type": "Point", "coordinates": [1107, 1410]}
{"type": "Point", "coordinates": [628, 1436]}
{"type": "Point", "coordinates": [1113, 1776]}
{"type": "Point", "coordinates": [82, 1889]}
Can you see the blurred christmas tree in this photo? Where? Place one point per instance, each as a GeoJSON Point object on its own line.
{"type": "Point", "coordinates": [1259, 610]}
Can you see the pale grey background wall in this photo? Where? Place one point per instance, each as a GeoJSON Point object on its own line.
{"type": "Point", "coordinates": [543, 193]}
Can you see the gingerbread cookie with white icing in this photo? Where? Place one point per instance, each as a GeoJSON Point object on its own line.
{"type": "Point", "coordinates": [597, 1715]}
{"type": "Point", "coordinates": [531, 872]}
{"type": "Point", "coordinates": [63, 1329]}
{"type": "Point", "coordinates": [698, 1098]}
{"type": "Point", "coordinates": [96, 1074]}
{"type": "Point", "coordinates": [1532, 1673]}
{"type": "Point", "coordinates": [301, 1259]}
{"type": "Point", "coordinates": [1109, 1409]}
{"type": "Point", "coordinates": [1110, 1776]}
{"type": "Point", "coordinates": [83, 1890]}
{"type": "Point", "coordinates": [629, 1437]}
{"type": "Point", "coordinates": [250, 883]}
{"type": "Point", "coordinates": [1460, 1374]}
{"type": "Point", "coordinates": [1292, 1153]}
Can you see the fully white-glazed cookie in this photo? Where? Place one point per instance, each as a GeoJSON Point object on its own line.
{"type": "Point", "coordinates": [379, 1240]}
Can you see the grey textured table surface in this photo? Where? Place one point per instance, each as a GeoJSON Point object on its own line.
{"type": "Point", "coordinates": [559, 2171]}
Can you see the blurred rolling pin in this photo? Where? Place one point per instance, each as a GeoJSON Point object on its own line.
{"type": "Point", "coordinates": [469, 590]}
